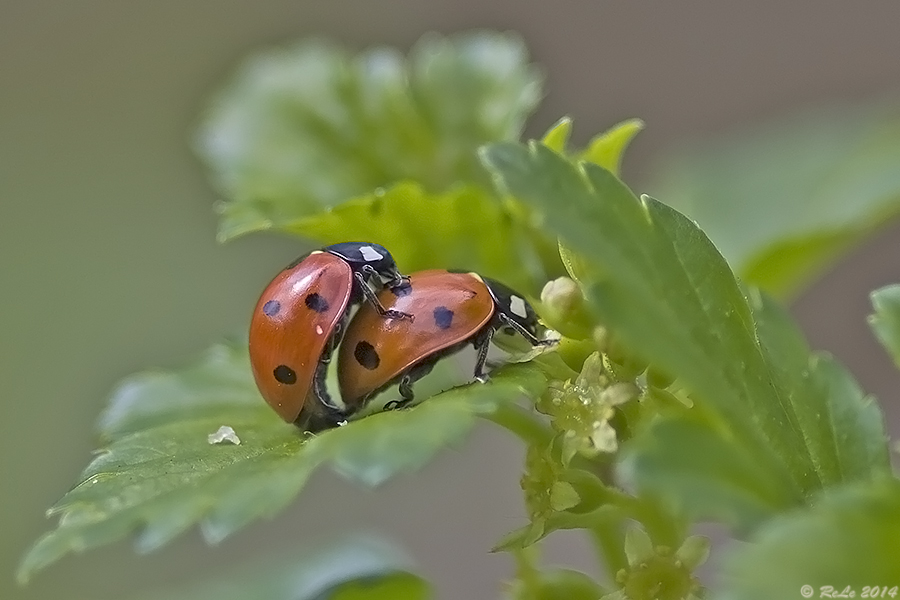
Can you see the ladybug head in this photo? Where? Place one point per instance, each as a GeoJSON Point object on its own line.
{"type": "Point", "coordinates": [364, 254]}
{"type": "Point", "coordinates": [513, 305]}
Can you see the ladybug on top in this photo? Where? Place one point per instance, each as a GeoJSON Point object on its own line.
{"type": "Point", "coordinates": [299, 321]}
{"type": "Point", "coordinates": [396, 336]}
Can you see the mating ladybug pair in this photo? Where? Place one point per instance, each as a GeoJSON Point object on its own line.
{"type": "Point", "coordinates": [396, 336]}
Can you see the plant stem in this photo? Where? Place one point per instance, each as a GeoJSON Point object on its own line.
{"type": "Point", "coordinates": [609, 540]}
{"type": "Point", "coordinates": [531, 430]}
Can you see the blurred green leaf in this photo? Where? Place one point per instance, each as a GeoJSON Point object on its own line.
{"type": "Point", "coordinates": [850, 537]}
{"type": "Point", "coordinates": [782, 201]}
{"type": "Point", "coordinates": [608, 148]}
{"type": "Point", "coordinates": [357, 567]}
{"type": "Point", "coordinates": [308, 126]}
{"type": "Point", "coordinates": [532, 582]}
{"type": "Point", "coordinates": [785, 267]}
{"type": "Point", "coordinates": [556, 584]}
{"type": "Point", "coordinates": [886, 320]}
{"type": "Point", "coordinates": [463, 228]}
{"type": "Point", "coordinates": [159, 474]}
{"type": "Point", "coordinates": [659, 284]}
{"type": "Point", "coordinates": [605, 149]}
{"type": "Point", "coordinates": [383, 587]}
{"type": "Point", "coordinates": [557, 137]}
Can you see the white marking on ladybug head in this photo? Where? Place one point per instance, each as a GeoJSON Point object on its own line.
{"type": "Point", "coordinates": [319, 329]}
{"type": "Point", "coordinates": [517, 307]}
{"type": "Point", "coordinates": [370, 254]}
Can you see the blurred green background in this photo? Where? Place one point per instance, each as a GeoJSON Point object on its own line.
{"type": "Point", "coordinates": [109, 263]}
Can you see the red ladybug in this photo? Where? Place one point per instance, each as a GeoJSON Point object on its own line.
{"type": "Point", "coordinates": [299, 320]}
{"type": "Point", "coordinates": [450, 311]}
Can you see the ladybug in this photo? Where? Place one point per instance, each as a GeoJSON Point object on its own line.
{"type": "Point", "coordinates": [451, 310]}
{"type": "Point", "coordinates": [299, 320]}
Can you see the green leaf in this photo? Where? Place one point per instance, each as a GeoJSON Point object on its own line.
{"type": "Point", "coordinates": [357, 567]}
{"type": "Point", "coordinates": [308, 126]}
{"type": "Point", "coordinates": [597, 506]}
{"type": "Point", "coordinates": [660, 285]}
{"type": "Point", "coordinates": [848, 538]}
{"type": "Point", "coordinates": [563, 496]}
{"type": "Point", "coordinates": [534, 532]}
{"type": "Point", "coordinates": [782, 201]}
{"type": "Point", "coordinates": [842, 426]}
{"type": "Point", "coordinates": [785, 267]}
{"type": "Point", "coordinates": [534, 583]}
{"type": "Point", "coordinates": [608, 148]}
{"type": "Point", "coordinates": [886, 320]}
{"type": "Point", "coordinates": [383, 587]}
{"type": "Point", "coordinates": [557, 137]}
{"type": "Point", "coordinates": [158, 473]}
{"type": "Point", "coordinates": [704, 474]}
{"type": "Point", "coordinates": [605, 149]}
{"type": "Point", "coordinates": [556, 584]}
{"type": "Point", "coordinates": [464, 228]}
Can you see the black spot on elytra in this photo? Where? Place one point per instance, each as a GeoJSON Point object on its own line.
{"type": "Point", "coordinates": [285, 374]}
{"type": "Point", "coordinates": [272, 307]}
{"type": "Point", "coordinates": [366, 355]}
{"type": "Point", "coordinates": [443, 317]}
{"type": "Point", "coordinates": [316, 302]}
{"type": "Point", "coordinates": [403, 289]}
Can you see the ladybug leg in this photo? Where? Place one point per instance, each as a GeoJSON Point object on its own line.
{"type": "Point", "coordinates": [482, 343]}
{"type": "Point", "coordinates": [372, 298]}
{"type": "Point", "coordinates": [320, 390]}
{"type": "Point", "coordinates": [406, 390]}
{"type": "Point", "coordinates": [319, 413]}
{"type": "Point", "coordinates": [321, 419]}
{"type": "Point", "coordinates": [406, 384]}
{"type": "Point", "coordinates": [522, 331]}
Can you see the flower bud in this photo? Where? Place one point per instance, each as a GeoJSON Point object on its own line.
{"type": "Point", "coordinates": [563, 308]}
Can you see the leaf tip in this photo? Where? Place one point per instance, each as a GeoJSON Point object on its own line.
{"type": "Point", "coordinates": [558, 135]}
{"type": "Point", "coordinates": [39, 556]}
